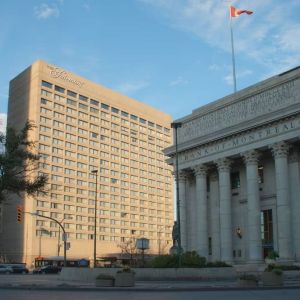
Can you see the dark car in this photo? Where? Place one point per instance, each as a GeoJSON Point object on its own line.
{"type": "Point", "coordinates": [20, 269]}
{"type": "Point", "coordinates": [4, 269]}
{"type": "Point", "coordinates": [47, 270]}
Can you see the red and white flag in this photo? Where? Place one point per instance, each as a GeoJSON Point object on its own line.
{"type": "Point", "coordinates": [234, 12]}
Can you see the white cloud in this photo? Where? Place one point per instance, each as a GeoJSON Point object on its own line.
{"type": "Point", "coordinates": [45, 11]}
{"type": "Point", "coordinates": [131, 87]}
{"type": "Point", "coordinates": [178, 81]}
{"type": "Point", "coordinates": [269, 36]}
{"type": "Point", "coordinates": [229, 77]}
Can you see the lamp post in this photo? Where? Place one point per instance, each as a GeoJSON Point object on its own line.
{"type": "Point", "coordinates": [64, 234]}
{"type": "Point", "coordinates": [175, 126]}
{"type": "Point", "coordinates": [95, 220]}
{"type": "Point", "coordinates": [58, 241]}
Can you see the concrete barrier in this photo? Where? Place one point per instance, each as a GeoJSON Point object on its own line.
{"type": "Point", "coordinates": [88, 275]}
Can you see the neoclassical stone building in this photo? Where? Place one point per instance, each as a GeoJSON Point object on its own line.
{"type": "Point", "coordinates": [239, 173]}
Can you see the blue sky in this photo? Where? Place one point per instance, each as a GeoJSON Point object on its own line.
{"type": "Point", "coordinates": [171, 54]}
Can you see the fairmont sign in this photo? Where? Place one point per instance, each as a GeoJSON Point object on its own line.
{"type": "Point", "coordinates": [63, 75]}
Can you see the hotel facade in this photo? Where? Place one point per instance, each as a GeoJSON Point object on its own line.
{"type": "Point", "coordinates": [82, 127]}
{"type": "Point", "coordinates": [239, 173]}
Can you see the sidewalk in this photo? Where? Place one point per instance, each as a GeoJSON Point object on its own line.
{"type": "Point", "coordinates": [41, 282]}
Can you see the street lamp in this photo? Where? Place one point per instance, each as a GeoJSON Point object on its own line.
{"type": "Point", "coordinates": [95, 221]}
{"type": "Point", "coordinates": [175, 126]}
{"type": "Point", "coordinates": [64, 233]}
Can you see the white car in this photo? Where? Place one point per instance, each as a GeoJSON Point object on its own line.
{"type": "Point", "coordinates": [6, 269]}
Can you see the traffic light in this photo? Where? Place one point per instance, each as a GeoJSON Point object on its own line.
{"type": "Point", "coordinates": [19, 213]}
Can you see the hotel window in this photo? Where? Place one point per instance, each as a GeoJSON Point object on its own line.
{"type": "Point", "coordinates": [94, 110]}
{"type": "Point", "coordinates": [59, 106]}
{"type": "Point", "coordinates": [133, 117]}
{"type": "Point", "coordinates": [83, 106]}
{"type": "Point", "coordinates": [59, 89]}
{"type": "Point", "coordinates": [47, 84]}
{"type": "Point", "coordinates": [235, 180]}
{"type": "Point", "coordinates": [93, 134]}
{"type": "Point", "coordinates": [83, 98]}
{"type": "Point", "coordinates": [71, 102]}
{"type": "Point", "coordinates": [104, 106]}
{"type": "Point", "coordinates": [94, 119]}
{"type": "Point", "coordinates": [46, 93]}
{"type": "Point", "coordinates": [82, 114]}
{"type": "Point", "coordinates": [71, 110]}
{"type": "Point", "coordinates": [82, 123]}
{"type": "Point", "coordinates": [94, 102]}
{"type": "Point", "coordinates": [44, 101]}
{"type": "Point", "coordinates": [72, 94]}
{"type": "Point", "coordinates": [151, 124]}
{"type": "Point", "coordinates": [58, 115]}
{"type": "Point", "coordinates": [59, 98]}
{"type": "Point", "coordinates": [114, 110]}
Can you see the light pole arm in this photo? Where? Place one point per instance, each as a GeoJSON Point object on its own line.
{"type": "Point", "coordinates": [64, 233]}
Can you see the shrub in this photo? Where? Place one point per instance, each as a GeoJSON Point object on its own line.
{"type": "Point", "coordinates": [272, 255]}
{"type": "Point", "coordinates": [188, 260]}
{"type": "Point", "coordinates": [105, 276]}
{"type": "Point", "coordinates": [277, 271]}
{"type": "Point", "coordinates": [246, 276]}
{"type": "Point", "coordinates": [217, 264]}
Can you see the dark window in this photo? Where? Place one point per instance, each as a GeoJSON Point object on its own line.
{"type": "Point", "coordinates": [133, 117]}
{"type": "Point", "coordinates": [143, 121]}
{"type": "Point", "coordinates": [260, 174]}
{"type": "Point", "coordinates": [209, 246]}
{"type": "Point", "coordinates": [71, 102]}
{"type": "Point", "coordinates": [94, 102]}
{"type": "Point", "coordinates": [83, 106]}
{"type": "Point", "coordinates": [47, 84]}
{"type": "Point", "coordinates": [94, 110]}
{"type": "Point", "coordinates": [235, 180]}
{"type": "Point", "coordinates": [266, 222]}
{"type": "Point", "coordinates": [114, 110]}
{"type": "Point", "coordinates": [83, 98]}
{"type": "Point", "coordinates": [124, 114]}
{"type": "Point", "coordinates": [72, 94]}
{"type": "Point", "coordinates": [43, 101]}
{"type": "Point", "coordinates": [167, 130]}
{"type": "Point", "coordinates": [59, 89]}
{"type": "Point", "coordinates": [104, 106]}
{"type": "Point", "coordinates": [151, 124]}
{"type": "Point", "coordinates": [233, 253]}
{"type": "Point", "coordinates": [158, 127]}
{"type": "Point", "coordinates": [94, 135]}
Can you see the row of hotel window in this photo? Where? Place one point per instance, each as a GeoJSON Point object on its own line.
{"type": "Point", "coordinates": [72, 119]}
{"type": "Point", "coordinates": [113, 134]}
{"type": "Point", "coordinates": [102, 105]}
{"type": "Point", "coordinates": [96, 129]}
{"type": "Point", "coordinates": [156, 222]}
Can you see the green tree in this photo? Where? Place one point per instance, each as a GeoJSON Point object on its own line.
{"type": "Point", "coordinates": [18, 164]}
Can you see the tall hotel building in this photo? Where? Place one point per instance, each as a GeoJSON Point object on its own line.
{"type": "Point", "coordinates": [81, 127]}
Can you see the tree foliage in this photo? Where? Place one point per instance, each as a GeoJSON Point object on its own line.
{"type": "Point", "coordinates": [18, 164]}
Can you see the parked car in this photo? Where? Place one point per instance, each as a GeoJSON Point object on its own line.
{"type": "Point", "coordinates": [47, 270]}
{"type": "Point", "coordinates": [20, 269]}
{"type": "Point", "coordinates": [6, 269]}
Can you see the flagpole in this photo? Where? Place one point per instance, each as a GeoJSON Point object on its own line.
{"type": "Point", "coordinates": [233, 58]}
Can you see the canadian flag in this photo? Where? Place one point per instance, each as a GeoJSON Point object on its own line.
{"type": "Point", "coordinates": [234, 12]}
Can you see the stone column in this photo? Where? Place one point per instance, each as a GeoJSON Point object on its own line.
{"type": "Point", "coordinates": [294, 179]}
{"type": "Point", "coordinates": [215, 216]}
{"type": "Point", "coordinates": [182, 207]}
{"type": "Point", "coordinates": [280, 153]}
{"type": "Point", "coordinates": [225, 209]}
{"type": "Point", "coordinates": [201, 211]}
{"type": "Point", "coordinates": [253, 206]}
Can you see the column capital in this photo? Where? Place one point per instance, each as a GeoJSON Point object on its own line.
{"type": "Point", "coordinates": [200, 170]}
{"type": "Point", "coordinates": [182, 175]}
{"type": "Point", "coordinates": [280, 149]}
{"type": "Point", "coordinates": [223, 164]}
{"type": "Point", "coordinates": [250, 157]}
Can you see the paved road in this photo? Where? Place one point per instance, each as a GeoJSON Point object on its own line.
{"type": "Point", "coordinates": [290, 294]}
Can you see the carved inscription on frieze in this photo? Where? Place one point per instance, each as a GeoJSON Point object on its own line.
{"type": "Point", "coordinates": [255, 106]}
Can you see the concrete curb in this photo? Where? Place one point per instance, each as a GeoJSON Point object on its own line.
{"type": "Point", "coordinates": [137, 289]}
